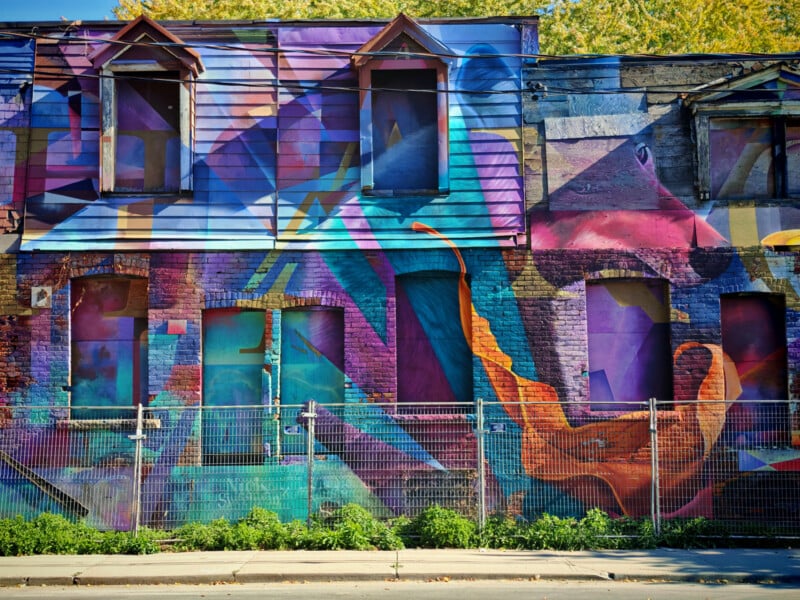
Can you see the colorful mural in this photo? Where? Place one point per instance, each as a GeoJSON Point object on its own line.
{"type": "Point", "coordinates": [554, 269]}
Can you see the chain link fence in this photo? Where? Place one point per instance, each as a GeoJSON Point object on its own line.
{"type": "Point", "coordinates": [161, 467]}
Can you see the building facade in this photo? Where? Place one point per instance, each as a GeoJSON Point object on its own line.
{"type": "Point", "coordinates": [220, 222]}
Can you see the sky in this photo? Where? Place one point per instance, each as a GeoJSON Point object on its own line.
{"type": "Point", "coordinates": [53, 10]}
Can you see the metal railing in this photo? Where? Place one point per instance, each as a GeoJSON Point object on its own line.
{"type": "Point", "coordinates": [163, 466]}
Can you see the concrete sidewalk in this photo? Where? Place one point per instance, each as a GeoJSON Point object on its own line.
{"type": "Point", "coordinates": [731, 566]}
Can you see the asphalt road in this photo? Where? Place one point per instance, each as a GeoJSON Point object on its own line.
{"type": "Point", "coordinates": [434, 590]}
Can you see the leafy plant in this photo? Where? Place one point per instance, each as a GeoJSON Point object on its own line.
{"type": "Point", "coordinates": [217, 535]}
{"type": "Point", "coordinates": [438, 527]}
{"type": "Point", "coordinates": [500, 532]}
{"type": "Point", "coordinates": [352, 527]}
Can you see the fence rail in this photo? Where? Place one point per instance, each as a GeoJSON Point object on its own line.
{"type": "Point", "coordinates": [163, 466]}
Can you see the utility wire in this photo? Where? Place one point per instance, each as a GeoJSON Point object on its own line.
{"type": "Point", "coordinates": [266, 49]}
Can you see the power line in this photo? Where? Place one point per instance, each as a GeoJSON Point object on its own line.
{"type": "Point", "coordinates": [324, 52]}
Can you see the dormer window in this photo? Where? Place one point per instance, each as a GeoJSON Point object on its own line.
{"type": "Point", "coordinates": [403, 78]}
{"type": "Point", "coordinates": [147, 80]}
{"type": "Point", "coordinates": [748, 136]}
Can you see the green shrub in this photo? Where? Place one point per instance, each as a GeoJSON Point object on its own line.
{"type": "Point", "coordinates": [437, 527]}
{"type": "Point", "coordinates": [16, 537]}
{"type": "Point", "coordinates": [351, 527]}
{"type": "Point", "coordinates": [553, 533]}
{"type": "Point", "coordinates": [261, 529]}
{"type": "Point", "coordinates": [216, 535]}
{"type": "Point", "coordinates": [123, 542]}
{"type": "Point", "coordinates": [500, 532]}
{"type": "Point", "coordinates": [697, 532]}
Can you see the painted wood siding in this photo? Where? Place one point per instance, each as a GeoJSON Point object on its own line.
{"type": "Point", "coordinates": [16, 64]}
{"type": "Point", "coordinates": [320, 201]}
{"type": "Point", "coordinates": [276, 149]}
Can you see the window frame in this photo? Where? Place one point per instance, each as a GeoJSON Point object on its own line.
{"type": "Point", "coordinates": [139, 371]}
{"type": "Point", "coordinates": [599, 407]}
{"type": "Point", "coordinates": [109, 130]}
{"type": "Point", "coordinates": [367, 124]}
{"type": "Point", "coordinates": [153, 49]}
{"type": "Point", "coordinates": [403, 45]}
{"type": "Point", "coordinates": [433, 277]}
{"type": "Point", "coordinates": [779, 118]}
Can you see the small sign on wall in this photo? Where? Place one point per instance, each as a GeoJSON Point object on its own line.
{"type": "Point", "coordinates": [41, 296]}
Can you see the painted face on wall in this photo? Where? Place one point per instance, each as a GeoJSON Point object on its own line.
{"type": "Point", "coordinates": [605, 193]}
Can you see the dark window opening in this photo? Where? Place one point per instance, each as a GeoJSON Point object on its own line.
{"type": "Point", "coordinates": [405, 131]}
{"type": "Point", "coordinates": [148, 141]}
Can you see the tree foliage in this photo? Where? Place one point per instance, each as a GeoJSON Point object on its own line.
{"type": "Point", "coordinates": [565, 27]}
{"type": "Point", "coordinates": [671, 26]}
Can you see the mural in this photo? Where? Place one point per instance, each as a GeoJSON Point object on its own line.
{"type": "Point", "coordinates": [276, 279]}
{"type": "Point", "coordinates": [629, 353]}
{"type": "Point", "coordinates": [109, 344]}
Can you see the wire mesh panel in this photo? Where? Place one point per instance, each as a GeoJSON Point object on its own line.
{"type": "Point", "coordinates": [397, 463]}
{"type": "Point", "coordinates": [750, 475]}
{"type": "Point", "coordinates": [562, 460]}
{"type": "Point", "coordinates": [81, 468]}
{"type": "Point", "coordinates": [208, 463]}
{"type": "Point", "coordinates": [730, 461]}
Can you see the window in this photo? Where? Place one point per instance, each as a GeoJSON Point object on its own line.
{"type": "Point", "coordinates": [147, 153]}
{"type": "Point", "coordinates": [753, 328]}
{"type": "Point", "coordinates": [747, 132]}
{"type": "Point", "coordinates": [404, 131]}
{"type": "Point", "coordinates": [312, 356]}
{"type": "Point", "coordinates": [109, 346]}
{"type": "Point", "coordinates": [754, 158]}
{"type": "Point", "coordinates": [403, 79]}
{"type": "Point", "coordinates": [233, 363]}
{"type": "Point", "coordinates": [147, 108]}
{"type": "Point", "coordinates": [434, 361]}
{"type": "Point", "coordinates": [629, 351]}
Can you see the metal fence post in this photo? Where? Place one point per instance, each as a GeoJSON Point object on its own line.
{"type": "Point", "coordinates": [310, 417]}
{"type": "Point", "coordinates": [137, 438]}
{"type": "Point", "coordinates": [655, 500]}
{"type": "Point", "coordinates": [481, 467]}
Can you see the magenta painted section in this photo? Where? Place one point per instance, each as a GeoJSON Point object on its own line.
{"type": "Point", "coordinates": [754, 337]}
{"type": "Point", "coordinates": [434, 362]}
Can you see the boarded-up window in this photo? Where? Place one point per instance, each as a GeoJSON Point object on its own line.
{"type": "Point", "coordinates": [405, 131]}
{"type": "Point", "coordinates": [629, 350]}
{"type": "Point", "coordinates": [312, 356]}
{"type": "Point", "coordinates": [754, 338]}
{"type": "Point", "coordinates": [109, 346]}
{"type": "Point", "coordinates": [233, 362]}
{"type": "Point", "coordinates": [434, 361]}
{"type": "Point", "coordinates": [148, 145]}
{"type": "Point", "coordinates": [754, 158]}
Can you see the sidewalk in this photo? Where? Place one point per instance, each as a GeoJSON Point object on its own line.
{"type": "Point", "coordinates": [731, 566]}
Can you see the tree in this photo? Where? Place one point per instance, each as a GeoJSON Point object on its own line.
{"type": "Point", "coordinates": [565, 27]}
{"type": "Point", "coordinates": [670, 26]}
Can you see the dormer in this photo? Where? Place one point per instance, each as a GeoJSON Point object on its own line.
{"type": "Point", "coordinates": [748, 136]}
{"type": "Point", "coordinates": [403, 77]}
{"type": "Point", "coordinates": [147, 78]}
